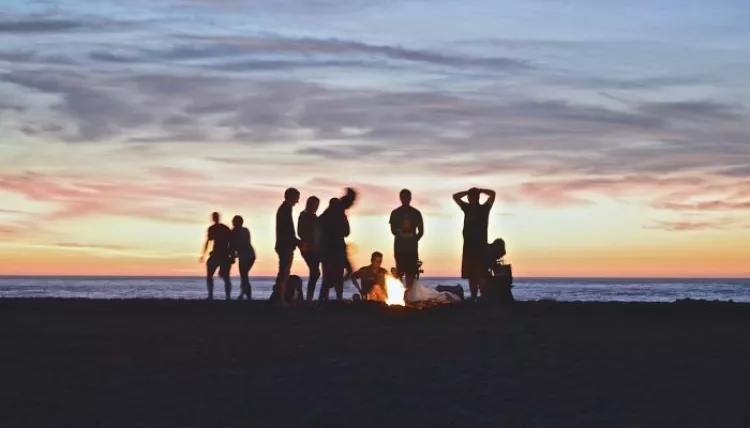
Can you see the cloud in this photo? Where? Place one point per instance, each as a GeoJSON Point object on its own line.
{"type": "Point", "coordinates": [580, 191]}
{"type": "Point", "coordinates": [691, 110]}
{"type": "Point", "coordinates": [341, 151]}
{"type": "Point", "coordinates": [311, 46]}
{"type": "Point", "coordinates": [40, 25]}
{"type": "Point", "coordinates": [153, 197]}
{"type": "Point", "coordinates": [688, 225]}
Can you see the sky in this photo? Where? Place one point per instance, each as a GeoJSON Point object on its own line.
{"type": "Point", "coordinates": [614, 133]}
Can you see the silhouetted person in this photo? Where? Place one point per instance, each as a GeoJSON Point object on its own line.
{"type": "Point", "coordinates": [243, 251]}
{"type": "Point", "coordinates": [498, 275]}
{"type": "Point", "coordinates": [308, 229]}
{"type": "Point", "coordinates": [407, 228]}
{"type": "Point", "coordinates": [476, 222]}
{"type": "Point", "coordinates": [334, 227]}
{"type": "Point", "coordinates": [372, 276]}
{"type": "Point", "coordinates": [286, 243]}
{"type": "Point", "coordinates": [220, 256]}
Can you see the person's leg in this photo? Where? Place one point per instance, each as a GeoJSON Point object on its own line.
{"type": "Point", "coordinates": [474, 287]}
{"type": "Point", "coordinates": [325, 285]}
{"type": "Point", "coordinates": [224, 268]}
{"type": "Point", "coordinates": [339, 277]}
{"type": "Point", "coordinates": [313, 265]}
{"type": "Point", "coordinates": [211, 266]}
{"type": "Point", "coordinates": [249, 291]}
{"type": "Point", "coordinates": [411, 268]}
{"type": "Point", "coordinates": [285, 268]}
{"type": "Point", "coordinates": [399, 258]}
{"type": "Point", "coordinates": [243, 264]}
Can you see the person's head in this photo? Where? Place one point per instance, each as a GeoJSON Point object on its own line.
{"type": "Point", "coordinates": [473, 195]}
{"type": "Point", "coordinates": [312, 204]}
{"type": "Point", "coordinates": [237, 221]}
{"type": "Point", "coordinates": [334, 202]}
{"type": "Point", "coordinates": [215, 217]}
{"type": "Point", "coordinates": [405, 196]}
{"type": "Point", "coordinates": [497, 249]}
{"type": "Point", "coordinates": [376, 259]}
{"type": "Point", "coordinates": [291, 196]}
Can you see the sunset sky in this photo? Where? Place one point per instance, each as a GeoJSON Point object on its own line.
{"type": "Point", "coordinates": [616, 133]}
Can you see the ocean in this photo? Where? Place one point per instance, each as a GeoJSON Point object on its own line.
{"type": "Point", "coordinates": [559, 289]}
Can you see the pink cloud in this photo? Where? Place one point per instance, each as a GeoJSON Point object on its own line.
{"type": "Point", "coordinates": [696, 225]}
{"type": "Point", "coordinates": [172, 200]}
{"type": "Point", "coordinates": [576, 191]}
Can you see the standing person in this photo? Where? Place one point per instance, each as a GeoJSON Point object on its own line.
{"type": "Point", "coordinates": [476, 223]}
{"type": "Point", "coordinates": [373, 279]}
{"type": "Point", "coordinates": [220, 256]}
{"type": "Point", "coordinates": [286, 243]}
{"type": "Point", "coordinates": [308, 229]}
{"type": "Point", "coordinates": [407, 228]}
{"type": "Point", "coordinates": [243, 251]}
{"type": "Point", "coordinates": [334, 227]}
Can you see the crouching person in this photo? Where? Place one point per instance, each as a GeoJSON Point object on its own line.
{"type": "Point", "coordinates": [372, 277]}
{"type": "Point", "coordinates": [499, 279]}
{"type": "Point", "coordinates": [293, 294]}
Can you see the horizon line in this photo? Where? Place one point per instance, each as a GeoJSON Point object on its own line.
{"type": "Point", "coordinates": [425, 277]}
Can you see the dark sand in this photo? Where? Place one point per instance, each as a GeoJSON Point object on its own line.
{"type": "Point", "coordinates": [177, 363]}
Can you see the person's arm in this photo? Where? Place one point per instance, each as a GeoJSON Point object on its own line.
{"type": "Point", "coordinates": [233, 244]}
{"type": "Point", "coordinates": [491, 194]}
{"type": "Point", "coordinates": [346, 229]}
{"type": "Point", "coordinates": [458, 197]}
{"type": "Point", "coordinates": [355, 276]}
{"type": "Point", "coordinates": [394, 230]}
{"type": "Point", "coordinates": [420, 226]}
{"type": "Point", "coordinates": [202, 257]}
{"type": "Point", "coordinates": [304, 229]}
{"type": "Point", "coordinates": [290, 231]}
{"type": "Point", "coordinates": [348, 200]}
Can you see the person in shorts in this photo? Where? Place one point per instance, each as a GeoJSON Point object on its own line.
{"type": "Point", "coordinates": [220, 257]}
{"type": "Point", "coordinates": [407, 228]}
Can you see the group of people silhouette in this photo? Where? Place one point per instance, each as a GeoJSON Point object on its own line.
{"type": "Point", "coordinates": [322, 244]}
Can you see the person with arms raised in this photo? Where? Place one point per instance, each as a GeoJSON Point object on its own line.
{"type": "Point", "coordinates": [220, 256]}
{"type": "Point", "coordinates": [407, 228]}
{"type": "Point", "coordinates": [476, 223]}
{"type": "Point", "coordinates": [334, 227]}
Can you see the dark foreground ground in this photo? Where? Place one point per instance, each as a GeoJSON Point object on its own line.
{"type": "Point", "coordinates": [203, 364]}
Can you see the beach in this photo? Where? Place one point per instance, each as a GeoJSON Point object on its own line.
{"type": "Point", "coordinates": [164, 363]}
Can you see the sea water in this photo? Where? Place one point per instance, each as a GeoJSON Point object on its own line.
{"type": "Point", "coordinates": [560, 289]}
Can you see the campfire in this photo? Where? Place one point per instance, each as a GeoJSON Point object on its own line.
{"type": "Point", "coordinates": [394, 291]}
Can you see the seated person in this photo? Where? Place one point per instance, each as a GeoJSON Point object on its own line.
{"type": "Point", "coordinates": [499, 275]}
{"type": "Point", "coordinates": [373, 279]}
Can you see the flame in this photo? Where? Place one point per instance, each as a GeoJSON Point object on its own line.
{"type": "Point", "coordinates": [394, 291]}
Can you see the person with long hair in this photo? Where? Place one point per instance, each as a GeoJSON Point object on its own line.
{"type": "Point", "coordinates": [244, 253]}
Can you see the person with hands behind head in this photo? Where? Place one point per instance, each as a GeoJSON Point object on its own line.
{"type": "Point", "coordinates": [476, 223]}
